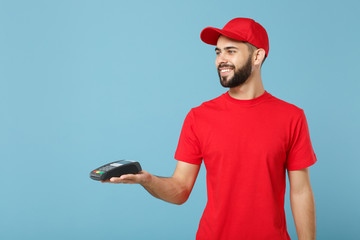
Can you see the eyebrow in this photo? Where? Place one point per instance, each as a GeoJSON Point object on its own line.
{"type": "Point", "coordinates": [227, 48]}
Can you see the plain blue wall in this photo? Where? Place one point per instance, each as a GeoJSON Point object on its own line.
{"type": "Point", "coordinates": [83, 83]}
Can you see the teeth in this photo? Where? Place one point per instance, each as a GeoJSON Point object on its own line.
{"type": "Point", "coordinates": [226, 70]}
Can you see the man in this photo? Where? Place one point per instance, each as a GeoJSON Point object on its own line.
{"type": "Point", "coordinates": [247, 139]}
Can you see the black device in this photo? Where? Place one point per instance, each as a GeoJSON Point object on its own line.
{"type": "Point", "coordinates": [115, 169]}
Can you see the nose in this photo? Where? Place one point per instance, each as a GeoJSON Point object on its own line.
{"type": "Point", "coordinates": [220, 58]}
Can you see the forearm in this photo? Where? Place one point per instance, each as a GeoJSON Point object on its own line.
{"type": "Point", "coordinates": [175, 189]}
{"type": "Point", "coordinates": [303, 209]}
{"type": "Point", "coordinates": [167, 189]}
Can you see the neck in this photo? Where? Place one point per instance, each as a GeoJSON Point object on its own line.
{"type": "Point", "coordinates": [252, 88]}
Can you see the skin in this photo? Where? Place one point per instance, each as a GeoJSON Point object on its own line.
{"type": "Point", "coordinates": [177, 188]}
{"type": "Point", "coordinates": [302, 204]}
{"type": "Point", "coordinates": [237, 53]}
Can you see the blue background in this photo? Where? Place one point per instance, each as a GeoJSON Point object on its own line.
{"type": "Point", "coordinates": [83, 83]}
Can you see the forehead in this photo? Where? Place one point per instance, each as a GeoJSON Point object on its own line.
{"type": "Point", "coordinates": [224, 41]}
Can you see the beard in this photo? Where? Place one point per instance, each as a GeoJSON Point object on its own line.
{"type": "Point", "coordinates": [240, 75]}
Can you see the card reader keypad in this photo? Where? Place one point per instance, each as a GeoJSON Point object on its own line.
{"type": "Point", "coordinates": [106, 168]}
{"type": "Point", "coordinates": [103, 169]}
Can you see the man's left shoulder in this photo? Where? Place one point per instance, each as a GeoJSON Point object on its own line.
{"type": "Point", "coordinates": [286, 107]}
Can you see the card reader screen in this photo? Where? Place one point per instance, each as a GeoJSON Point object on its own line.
{"type": "Point", "coordinates": [116, 164]}
{"type": "Point", "coordinates": [121, 162]}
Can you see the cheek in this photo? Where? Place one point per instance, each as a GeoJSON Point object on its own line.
{"type": "Point", "coordinates": [240, 63]}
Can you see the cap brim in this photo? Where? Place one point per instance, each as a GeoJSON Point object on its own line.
{"type": "Point", "coordinates": [210, 35]}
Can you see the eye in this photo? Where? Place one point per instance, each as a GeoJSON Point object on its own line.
{"type": "Point", "coordinates": [231, 51]}
{"type": "Point", "coordinates": [217, 52]}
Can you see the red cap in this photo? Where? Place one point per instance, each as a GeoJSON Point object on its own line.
{"type": "Point", "coordinates": [242, 29]}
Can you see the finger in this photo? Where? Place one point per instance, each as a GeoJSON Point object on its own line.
{"type": "Point", "coordinates": [105, 181]}
{"type": "Point", "coordinates": [129, 177]}
{"type": "Point", "coordinates": [120, 180]}
{"type": "Point", "coordinates": [126, 178]}
{"type": "Point", "coordinates": [115, 180]}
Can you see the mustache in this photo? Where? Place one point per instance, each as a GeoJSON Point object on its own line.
{"type": "Point", "coordinates": [225, 65]}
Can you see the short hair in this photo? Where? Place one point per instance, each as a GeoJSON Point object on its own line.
{"type": "Point", "coordinates": [252, 49]}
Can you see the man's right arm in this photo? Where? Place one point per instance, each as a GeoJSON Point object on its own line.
{"type": "Point", "coordinates": [175, 189]}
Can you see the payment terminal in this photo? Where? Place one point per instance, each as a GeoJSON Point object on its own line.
{"type": "Point", "coordinates": [115, 169]}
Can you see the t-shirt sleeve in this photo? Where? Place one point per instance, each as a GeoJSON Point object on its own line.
{"type": "Point", "coordinates": [300, 154]}
{"type": "Point", "coordinates": [188, 149]}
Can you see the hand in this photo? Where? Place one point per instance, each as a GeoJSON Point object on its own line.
{"type": "Point", "coordinates": [142, 178]}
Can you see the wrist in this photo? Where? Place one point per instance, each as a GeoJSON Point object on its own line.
{"type": "Point", "coordinates": [147, 180]}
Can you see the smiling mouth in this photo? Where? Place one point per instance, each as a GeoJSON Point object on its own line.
{"type": "Point", "coordinates": [225, 70]}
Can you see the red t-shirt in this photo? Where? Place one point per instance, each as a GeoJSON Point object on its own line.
{"type": "Point", "coordinates": [246, 146]}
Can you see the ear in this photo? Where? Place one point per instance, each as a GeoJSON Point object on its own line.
{"type": "Point", "coordinates": [259, 56]}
